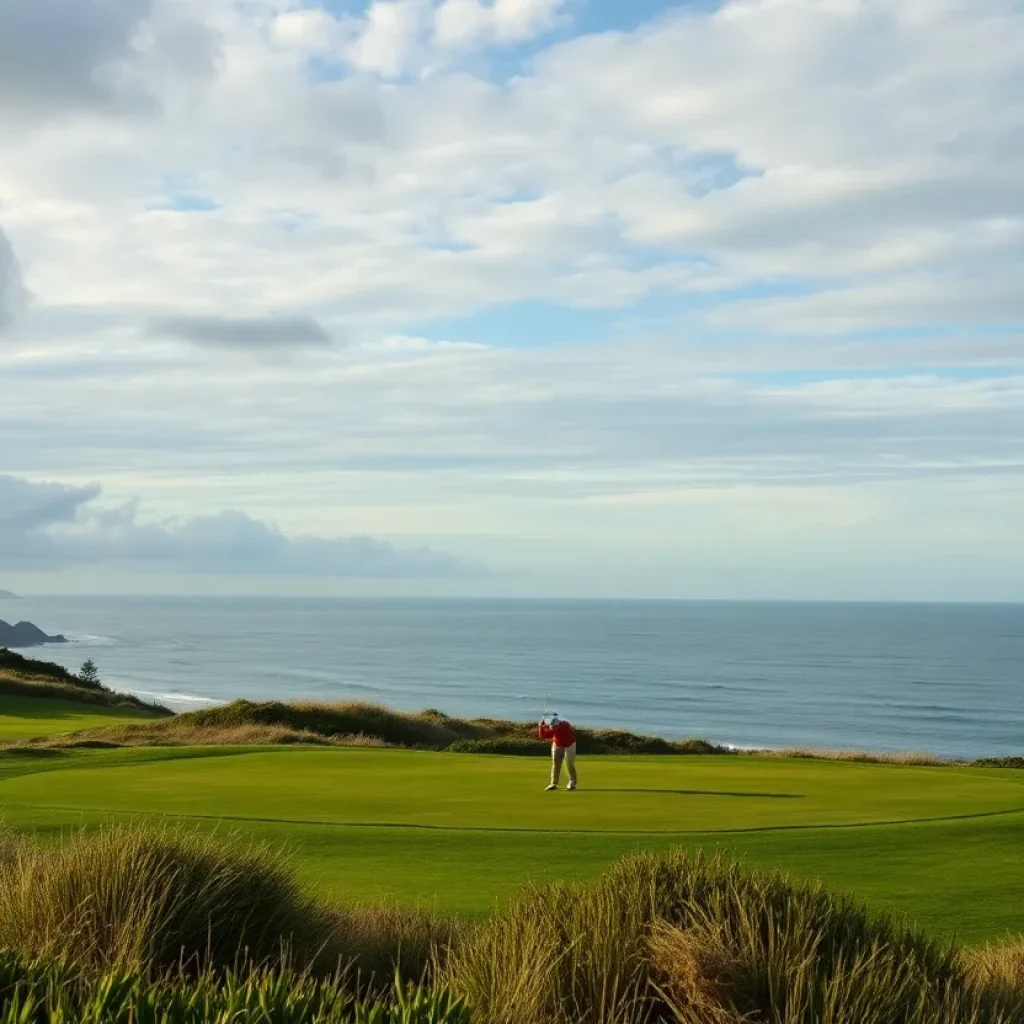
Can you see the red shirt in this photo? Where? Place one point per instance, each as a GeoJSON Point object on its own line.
{"type": "Point", "coordinates": [561, 735]}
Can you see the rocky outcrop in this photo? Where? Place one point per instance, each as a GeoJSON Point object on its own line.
{"type": "Point", "coordinates": [25, 634]}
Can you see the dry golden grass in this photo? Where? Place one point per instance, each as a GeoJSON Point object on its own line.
{"type": "Point", "coordinates": [147, 899]}
{"type": "Point", "coordinates": [386, 938]}
{"type": "Point", "coordinates": [696, 940]}
{"type": "Point", "coordinates": [181, 732]}
{"type": "Point", "coordinates": [24, 684]}
{"type": "Point", "coordinates": [863, 756]}
{"type": "Point", "coordinates": [998, 969]}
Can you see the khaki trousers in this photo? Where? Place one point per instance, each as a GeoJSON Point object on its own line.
{"type": "Point", "coordinates": [558, 755]}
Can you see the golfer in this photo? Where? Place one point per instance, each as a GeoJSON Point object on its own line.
{"type": "Point", "coordinates": [563, 748]}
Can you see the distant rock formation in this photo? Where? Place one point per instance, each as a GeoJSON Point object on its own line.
{"type": "Point", "coordinates": [25, 634]}
{"type": "Point", "coordinates": [7, 595]}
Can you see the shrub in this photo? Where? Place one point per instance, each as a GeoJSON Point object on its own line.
{"type": "Point", "coordinates": [384, 941]}
{"type": "Point", "coordinates": [20, 665]}
{"type": "Point", "coordinates": [502, 745]}
{"type": "Point", "coordinates": [697, 940]}
{"type": "Point", "coordinates": [141, 899]}
{"type": "Point", "coordinates": [997, 970]}
{"type": "Point", "coordinates": [392, 727]}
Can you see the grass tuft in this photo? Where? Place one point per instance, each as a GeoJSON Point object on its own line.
{"type": "Point", "coordinates": [135, 898]}
{"type": "Point", "coordinates": [698, 940]}
{"type": "Point", "coordinates": [861, 756]}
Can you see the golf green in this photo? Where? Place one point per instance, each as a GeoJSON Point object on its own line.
{"type": "Point", "coordinates": [461, 832]}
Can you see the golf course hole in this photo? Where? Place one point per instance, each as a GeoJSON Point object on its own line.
{"type": "Point", "coordinates": [479, 792]}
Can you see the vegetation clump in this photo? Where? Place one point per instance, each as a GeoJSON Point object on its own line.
{"type": "Point", "coordinates": [316, 724]}
{"type": "Point", "coordinates": [41, 992]}
{"type": "Point", "coordinates": [141, 899]}
{"type": "Point", "coordinates": [206, 929]}
{"type": "Point", "coordinates": [46, 680]}
{"type": "Point", "coordinates": [699, 940]}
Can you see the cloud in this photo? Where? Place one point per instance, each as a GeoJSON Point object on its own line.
{"type": "Point", "coordinates": [26, 507]}
{"type": "Point", "coordinates": [64, 56]}
{"type": "Point", "coordinates": [399, 36]}
{"type": "Point", "coordinates": [461, 23]}
{"type": "Point", "coordinates": [753, 242]}
{"type": "Point", "coordinates": [253, 333]}
{"type": "Point", "coordinates": [50, 526]}
{"type": "Point", "coordinates": [745, 145]}
{"type": "Point", "coordinates": [12, 292]}
{"type": "Point", "coordinates": [392, 34]}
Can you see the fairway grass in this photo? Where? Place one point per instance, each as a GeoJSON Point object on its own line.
{"type": "Point", "coordinates": [28, 717]}
{"type": "Point", "coordinates": [462, 832]}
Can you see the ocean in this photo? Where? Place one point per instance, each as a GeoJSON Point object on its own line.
{"type": "Point", "coordinates": [939, 678]}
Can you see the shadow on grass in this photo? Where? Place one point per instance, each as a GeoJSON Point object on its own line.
{"type": "Point", "coordinates": [33, 752]}
{"type": "Point", "coordinates": [700, 792]}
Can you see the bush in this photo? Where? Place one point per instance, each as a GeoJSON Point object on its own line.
{"type": "Point", "coordinates": [998, 970]}
{"type": "Point", "coordinates": [392, 727]}
{"type": "Point", "coordinates": [697, 940]}
{"type": "Point", "coordinates": [601, 743]}
{"type": "Point", "coordinates": [142, 899]}
{"type": "Point", "coordinates": [502, 745]}
{"type": "Point", "coordinates": [21, 665]}
{"type": "Point", "coordinates": [999, 762]}
{"type": "Point", "coordinates": [385, 941]}
{"type": "Point", "coordinates": [26, 677]}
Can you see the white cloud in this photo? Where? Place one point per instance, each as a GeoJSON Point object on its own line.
{"type": "Point", "coordinates": [54, 526]}
{"type": "Point", "coordinates": [758, 178]}
{"type": "Point", "coordinates": [464, 23]}
{"type": "Point", "coordinates": [308, 29]}
{"type": "Point", "coordinates": [391, 36]}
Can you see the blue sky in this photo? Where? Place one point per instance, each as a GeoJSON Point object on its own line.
{"type": "Point", "coordinates": [555, 297]}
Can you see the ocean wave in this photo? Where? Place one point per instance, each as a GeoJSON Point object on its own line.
{"type": "Point", "coordinates": [180, 698]}
{"type": "Point", "coordinates": [89, 640]}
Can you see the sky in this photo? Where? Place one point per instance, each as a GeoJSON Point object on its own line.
{"type": "Point", "coordinates": [513, 298]}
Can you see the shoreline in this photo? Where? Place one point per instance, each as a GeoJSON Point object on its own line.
{"type": "Point", "coordinates": [659, 681]}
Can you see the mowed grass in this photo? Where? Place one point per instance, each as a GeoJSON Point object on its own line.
{"type": "Point", "coordinates": [462, 832]}
{"type": "Point", "coordinates": [25, 717]}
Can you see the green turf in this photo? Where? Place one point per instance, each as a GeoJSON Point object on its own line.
{"type": "Point", "coordinates": [461, 832]}
{"type": "Point", "coordinates": [25, 717]}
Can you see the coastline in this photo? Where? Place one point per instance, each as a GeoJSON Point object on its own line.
{"type": "Point", "coordinates": [887, 680]}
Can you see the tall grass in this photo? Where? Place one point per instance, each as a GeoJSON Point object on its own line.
{"type": "Point", "coordinates": [147, 899]}
{"type": "Point", "coordinates": [28, 677]}
{"type": "Point", "coordinates": [135, 925]}
{"type": "Point", "coordinates": [33, 992]}
{"type": "Point", "coordinates": [998, 969]}
{"type": "Point", "coordinates": [322, 724]}
{"type": "Point", "coordinates": [183, 732]}
{"type": "Point", "coordinates": [698, 940]}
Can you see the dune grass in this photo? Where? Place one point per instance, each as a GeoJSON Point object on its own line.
{"type": "Point", "coordinates": [702, 941]}
{"type": "Point", "coordinates": [348, 724]}
{"type": "Point", "coordinates": [138, 924]}
{"type": "Point", "coordinates": [43, 699]}
{"type": "Point", "coordinates": [142, 899]}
